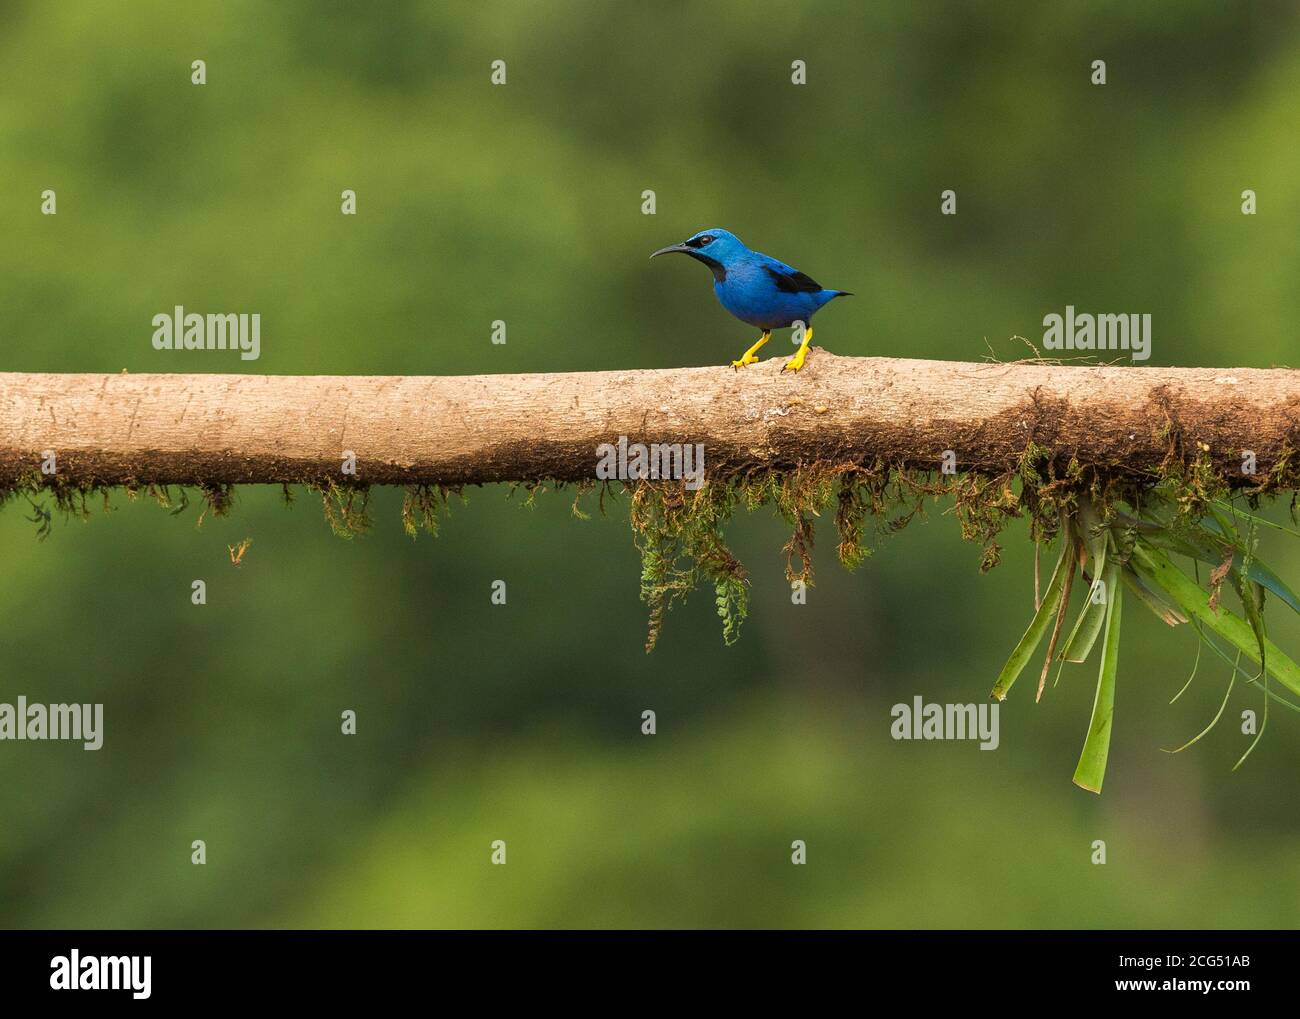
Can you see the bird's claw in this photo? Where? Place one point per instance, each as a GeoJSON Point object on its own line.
{"type": "Point", "coordinates": [795, 363]}
{"type": "Point", "coordinates": [744, 361]}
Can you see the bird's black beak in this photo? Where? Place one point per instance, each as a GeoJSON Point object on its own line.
{"type": "Point", "coordinates": [671, 248]}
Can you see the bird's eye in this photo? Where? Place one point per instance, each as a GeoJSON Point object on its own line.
{"type": "Point", "coordinates": [706, 240]}
{"type": "Point", "coordinates": [699, 242]}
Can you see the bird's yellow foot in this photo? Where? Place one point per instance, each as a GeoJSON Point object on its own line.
{"type": "Point", "coordinates": [751, 355]}
{"type": "Point", "coordinates": [796, 362]}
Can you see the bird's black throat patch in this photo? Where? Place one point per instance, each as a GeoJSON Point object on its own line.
{"type": "Point", "coordinates": [718, 269]}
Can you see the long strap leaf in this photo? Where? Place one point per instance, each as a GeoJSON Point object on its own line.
{"type": "Point", "coordinates": [1093, 617]}
{"type": "Point", "coordinates": [1158, 569]}
{"type": "Point", "coordinates": [1152, 599]}
{"type": "Point", "coordinates": [1096, 748]}
{"type": "Point", "coordinates": [1212, 553]}
{"type": "Point", "coordinates": [1045, 615]}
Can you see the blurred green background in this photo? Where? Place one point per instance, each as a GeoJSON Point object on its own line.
{"type": "Point", "coordinates": [523, 203]}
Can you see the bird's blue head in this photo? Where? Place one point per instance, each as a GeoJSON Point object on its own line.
{"type": "Point", "coordinates": [716, 248]}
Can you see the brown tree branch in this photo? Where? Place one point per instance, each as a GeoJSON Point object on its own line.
{"type": "Point", "coordinates": [238, 429]}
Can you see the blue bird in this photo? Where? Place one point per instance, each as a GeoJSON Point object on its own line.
{"type": "Point", "coordinates": [757, 289]}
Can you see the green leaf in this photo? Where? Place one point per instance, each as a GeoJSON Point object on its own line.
{"type": "Point", "coordinates": [1209, 547]}
{"type": "Point", "coordinates": [1260, 574]}
{"type": "Point", "coordinates": [1063, 604]}
{"type": "Point", "coordinates": [1252, 599]}
{"type": "Point", "coordinates": [1257, 519]}
{"type": "Point", "coordinates": [1091, 619]}
{"type": "Point", "coordinates": [1158, 569]}
{"type": "Point", "coordinates": [1047, 611]}
{"type": "Point", "coordinates": [1196, 664]}
{"type": "Point", "coordinates": [1252, 679]}
{"type": "Point", "coordinates": [1152, 599]}
{"type": "Point", "coordinates": [1218, 714]}
{"type": "Point", "coordinates": [1096, 748]}
{"type": "Point", "coordinates": [1096, 536]}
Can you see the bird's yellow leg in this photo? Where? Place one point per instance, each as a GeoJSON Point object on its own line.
{"type": "Point", "coordinates": [751, 355]}
{"type": "Point", "coordinates": [796, 362]}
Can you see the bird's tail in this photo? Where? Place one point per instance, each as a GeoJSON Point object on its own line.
{"type": "Point", "coordinates": [843, 293]}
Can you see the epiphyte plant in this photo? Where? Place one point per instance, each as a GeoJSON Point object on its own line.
{"type": "Point", "coordinates": [1135, 550]}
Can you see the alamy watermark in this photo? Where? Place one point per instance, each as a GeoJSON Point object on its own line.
{"type": "Point", "coordinates": [669, 461]}
{"type": "Point", "coordinates": [919, 720]}
{"type": "Point", "coordinates": [80, 722]}
{"type": "Point", "coordinates": [1073, 331]}
{"type": "Point", "coordinates": [191, 331]}
{"type": "Point", "coordinates": [77, 972]}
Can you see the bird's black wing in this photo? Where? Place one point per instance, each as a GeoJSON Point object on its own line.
{"type": "Point", "coordinates": [792, 281]}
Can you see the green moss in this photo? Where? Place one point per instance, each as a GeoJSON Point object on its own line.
{"type": "Point", "coordinates": [421, 505]}
{"type": "Point", "coordinates": [347, 507]}
{"type": "Point", "coordinates": [217, 500]}
{"type": "Point", "coordinates": [681, 534]}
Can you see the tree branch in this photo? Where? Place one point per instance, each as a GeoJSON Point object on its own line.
{"type": "Point", "coordinates": [240, 429]}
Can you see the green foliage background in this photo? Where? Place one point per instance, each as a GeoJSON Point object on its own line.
{"type": "Point", "coordinates": [522, 203]}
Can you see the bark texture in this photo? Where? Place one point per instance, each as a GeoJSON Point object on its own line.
{"type": "Point", "coordinates": [240, 429]}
